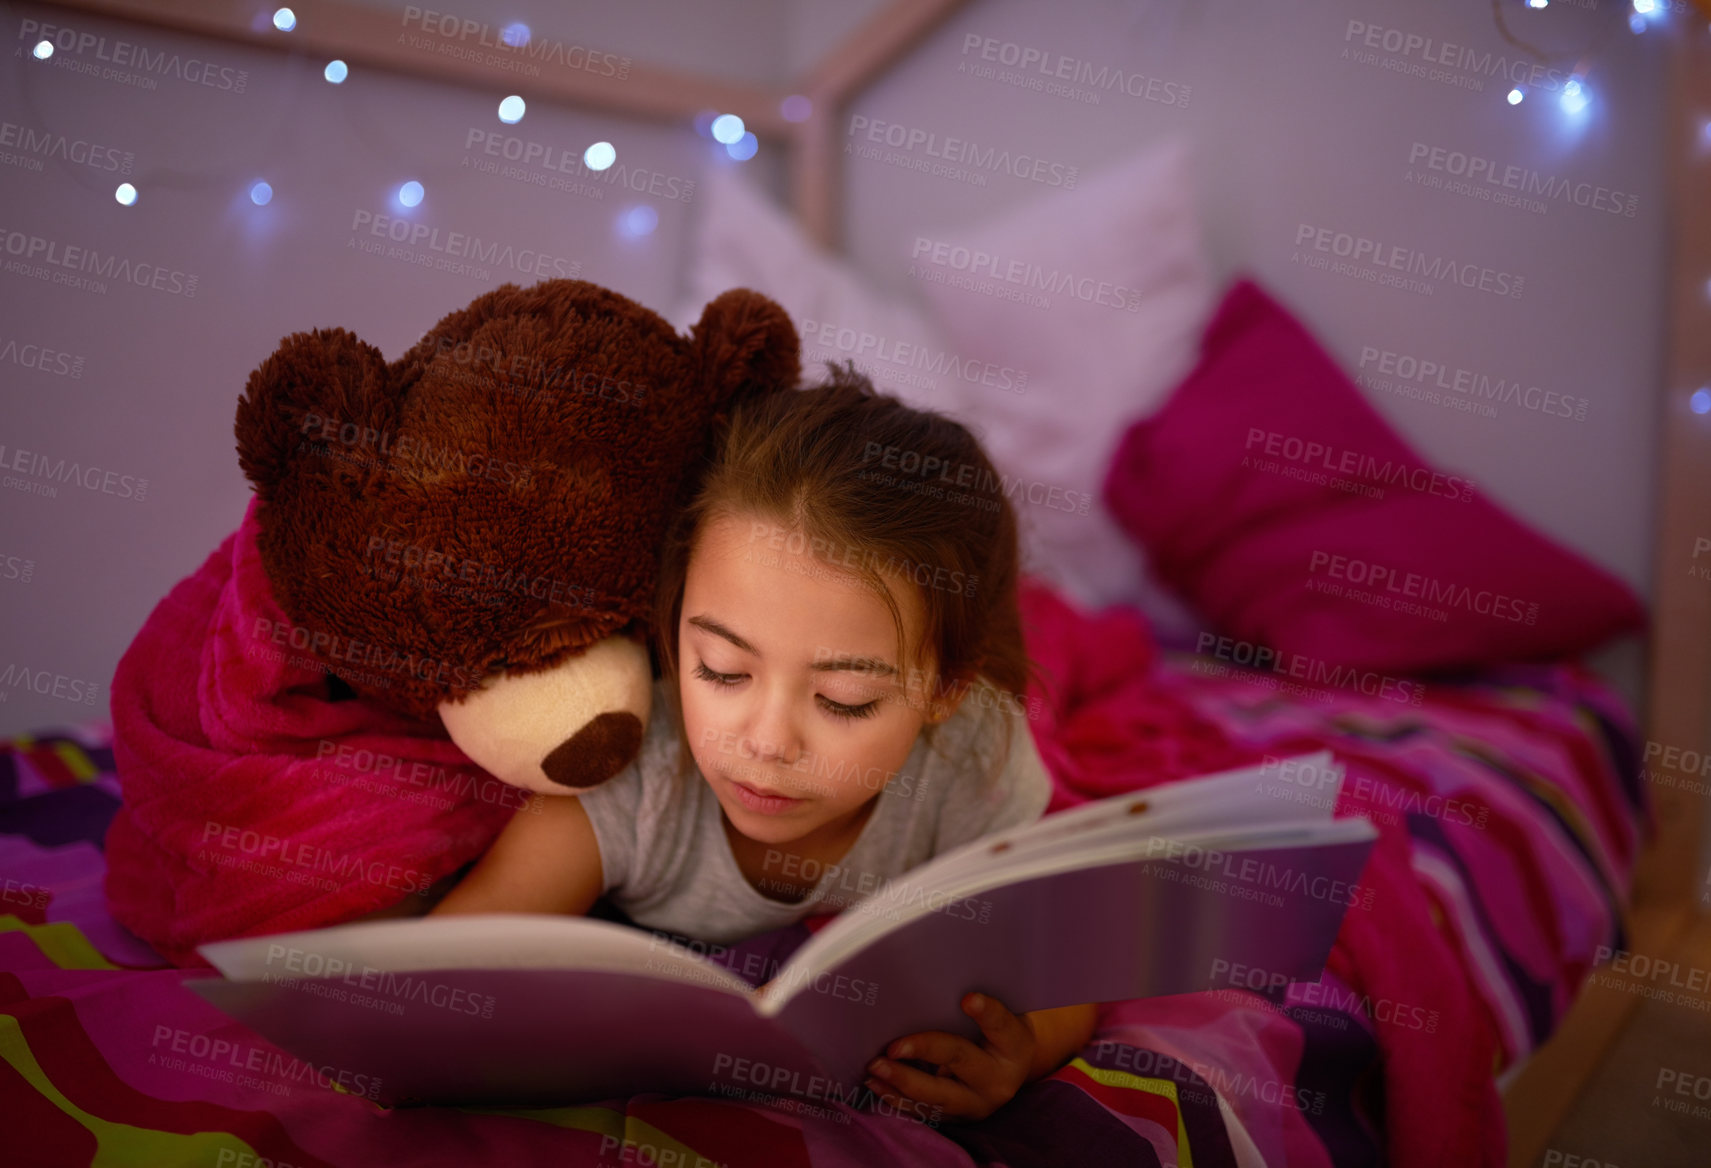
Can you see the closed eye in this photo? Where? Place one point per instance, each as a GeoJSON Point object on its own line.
{"type": "Point", "coordinates": [839, 710]}
{"type": "Point", "coordinates": [836, 709]}
{"type": "Point", "coordinates": [719, 679]}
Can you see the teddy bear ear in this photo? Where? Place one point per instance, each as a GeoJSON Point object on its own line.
{"type": "Point", "coordinates": [745, 340]}
{"type": "Point", "coordinates": [316, 384]}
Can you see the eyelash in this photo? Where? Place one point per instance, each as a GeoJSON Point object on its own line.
{"type": "Point", "coordinates": [835, 709]}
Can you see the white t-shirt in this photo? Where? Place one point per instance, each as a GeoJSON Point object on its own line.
{"type": "Point", "coordinates": [668, 864]}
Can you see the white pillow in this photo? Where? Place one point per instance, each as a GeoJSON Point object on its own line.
{"type": "Point", "coordinates": [746, 241]}
{"type": "Point", "coordinates": [1128, 235]}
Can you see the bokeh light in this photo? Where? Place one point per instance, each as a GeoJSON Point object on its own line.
{"type": "Point", "coordinates": [638, 221]}
{"type": "Point", "coordinates": [727, 128]}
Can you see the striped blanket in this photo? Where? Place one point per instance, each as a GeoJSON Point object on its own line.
{"type": "Point", "coordinates": [1510, 814]}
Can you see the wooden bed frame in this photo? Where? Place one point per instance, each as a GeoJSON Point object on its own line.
{"type": "Point", "coordinates": [1677, 711]}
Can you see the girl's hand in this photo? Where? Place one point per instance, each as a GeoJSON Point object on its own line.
{"type": "Point", "coordinates": [973, 1081]}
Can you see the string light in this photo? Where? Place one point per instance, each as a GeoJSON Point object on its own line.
{"type": "Point", "coordinates": [411, 193]}
{"type": "Point", "coordinates": [511, 110]}
{"type": "Point", "coordinates": [638, 221]}
{"type": "Point", "coordinates": [126, 195]}
{"type": "Point", "coordinates": [284, 20]}
{"type": "Point", "coordinates": [728, 129]}
{"type": "Point", "coordinates": [336, 72]}
{"type": "Point", "coordinates": [43, 50]}
{"type": "Point", "coordinates": [261, 194]}
{"type": "Point", "coordinates": [599, 156]}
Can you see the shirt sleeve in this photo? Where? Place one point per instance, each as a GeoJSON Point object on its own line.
{"type": "Point", "coordinates": [1017, 795]}
{"type": "Point", "coordinates": [614, 810]}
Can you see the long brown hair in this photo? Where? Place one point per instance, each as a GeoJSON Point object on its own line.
{"type": "Point", "coordinates": [866, 478]}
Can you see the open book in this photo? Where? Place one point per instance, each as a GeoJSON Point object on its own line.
{"type": "Point", "coordinates": [1240, 878]}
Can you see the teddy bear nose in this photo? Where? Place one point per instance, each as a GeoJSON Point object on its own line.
{"type": "Point", "coordinates": [596, 752]}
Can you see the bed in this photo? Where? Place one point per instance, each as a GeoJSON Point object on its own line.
{"type": "Point", "coordinates": [1510, 819]}
{"type": "Point", "coordinates": [1515, 819]}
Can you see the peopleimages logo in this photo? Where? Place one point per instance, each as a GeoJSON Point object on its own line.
{"type": "Point", "coordinates": [1024, 274]}
{"type": "Point", "coordinates": [1391, 583]}
{"type": "Point", "coordinates": [524, 53]}
{"type": "Point", "coordinates": [41, 358]}
{"type": "Point", "coordinates": [1339, 461]}
{"type": "Point", "coordinates": [1522, 180]}
{"type": "Point", "coordinates": [1426, 372]}
{"type": "Point", "coordinates": [127, 55]}
{"type": "Point", "coordinates": [866, 347]}
{"type": "Point", "coordinates": [568, 161]}
{"type": "Point", "coordinates": [46, 684]}
{"type": "Point", "coordinates": [90, 478]}
{"type": "Point", "coordinates": [462, 246]}
{"type": "Point", "coordinates": [1081, 79]}
{"type": "Point", "coordinates": [928, 144]}
{"type": "Point", "coordinates": [41, 144]}
{"type": "Point", "coordinates": [49, 259]}
{"type": "Point", "coordinates": [1360, 249]}
{"type": "Point", "coordinates": [1416, 54]}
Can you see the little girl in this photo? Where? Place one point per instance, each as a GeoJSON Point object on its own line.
{"type": "Point", "coordinates": [841, 700]}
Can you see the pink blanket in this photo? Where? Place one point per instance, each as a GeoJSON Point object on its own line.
{"type": "Point", "coordinates": [254, 802]}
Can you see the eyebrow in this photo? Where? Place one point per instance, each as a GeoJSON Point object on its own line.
{"type": "Point", "coordinates": [850, 664]}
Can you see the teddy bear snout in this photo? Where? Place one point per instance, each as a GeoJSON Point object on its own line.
{"type": "Point", "coordinates": [562, 729]}
{"type": "Point", "coordinates": [596, 752]}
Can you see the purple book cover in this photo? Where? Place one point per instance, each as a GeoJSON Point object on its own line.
{"type": "Point", "coordinates": [1179, 919]}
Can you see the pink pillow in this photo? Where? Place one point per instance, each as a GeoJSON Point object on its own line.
{"type": "Point", "coordinates": [1273, 498]}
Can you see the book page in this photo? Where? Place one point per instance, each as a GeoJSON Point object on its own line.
{"type": "Point", "coordinates": [1294, 789]}
{"type": "Point", "coordinates": [923, 892]}
{"type": "Point", "coordinates": [466, 941]}
{"type": "Point", "coordinates": [1228, 802]}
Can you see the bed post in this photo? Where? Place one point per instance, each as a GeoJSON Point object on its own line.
{"type": "Point", "coordinates": [815, 173]}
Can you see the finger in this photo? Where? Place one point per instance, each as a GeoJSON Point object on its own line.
{"type": "Point", "coordinates": [954, 1096]}
{"type": "Point", "coordinates": [1007, 1036]}
{"type": "Point", "coordinates": [952, 1052]}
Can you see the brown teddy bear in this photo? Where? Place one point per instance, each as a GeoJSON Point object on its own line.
{"type": "Point", "coordinates": [488, 508]}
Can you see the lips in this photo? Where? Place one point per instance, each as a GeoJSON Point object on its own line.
{"type": "Point", "coordinates": [762, 802]}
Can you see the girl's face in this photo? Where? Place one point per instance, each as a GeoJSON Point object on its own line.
{"type": "Point", "coordinates": [796, 705]}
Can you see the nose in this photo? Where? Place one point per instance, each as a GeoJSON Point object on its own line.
{"type": "Point", "coordinates": [773, 735]}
